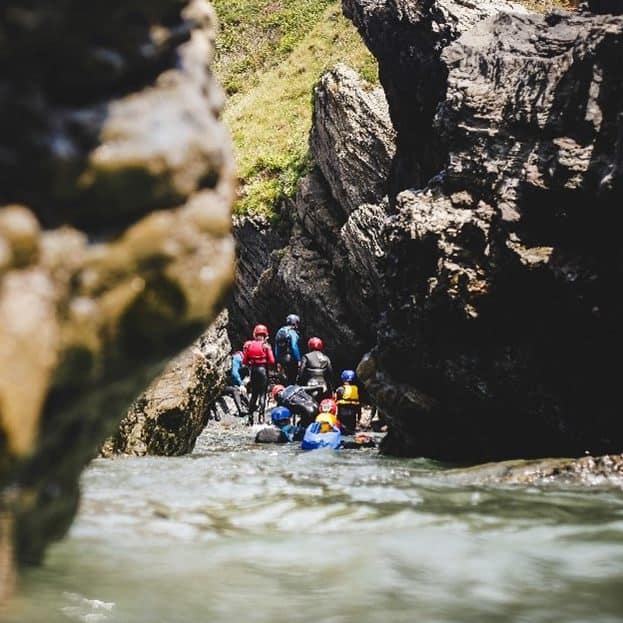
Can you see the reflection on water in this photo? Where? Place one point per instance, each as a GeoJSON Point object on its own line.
{"type": "Point", "coordinates": [236, 532]}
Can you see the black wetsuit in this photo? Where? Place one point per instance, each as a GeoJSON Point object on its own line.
{"type": "Point", "coordinates": [316, 369]}
{"type": "Point", "coordinates": [300, 403]}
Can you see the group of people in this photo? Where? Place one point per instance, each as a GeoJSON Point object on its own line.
{"type": "Point", "coordinates": [304, 390]}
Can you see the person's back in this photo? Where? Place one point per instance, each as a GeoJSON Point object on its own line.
{"type": "Point", "coordinates": [258, 356]}
{"type": "Point", "coordinates": [322, 433]}
{"type": "Point", "coordinates": [348, 404]}
{"type": "Point", "coordinates": [316, 368]}
{"type": "Point", "coordinates": [300, 403]}
{"type": "Point", "coordinates": [287, 352]}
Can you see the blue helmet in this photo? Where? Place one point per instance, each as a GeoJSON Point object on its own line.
{"type": "Point", "coordinates": [348, 376]}
{"type": "Point", "coordinates": [279, 414]}
{"type": "Point", "coordinates": [293, 320]}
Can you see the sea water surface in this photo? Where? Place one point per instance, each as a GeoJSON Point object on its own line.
{"type": "Point", "coordinates": [239, 532]}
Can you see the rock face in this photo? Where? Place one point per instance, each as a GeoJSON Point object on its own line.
{"type": "Point", "coordinates": [108, 115]}
{"type": "Point", "coordinates": [326, 267]}
{"type": "Point", "coordinates": [407, 37]}
{"type": "Point", "coordinates": [168, 417]}
{"type": "Point", "coordinates": [502, 313]}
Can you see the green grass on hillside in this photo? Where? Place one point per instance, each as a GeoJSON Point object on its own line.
{"type": "Point", "coordinates": [271, 56]}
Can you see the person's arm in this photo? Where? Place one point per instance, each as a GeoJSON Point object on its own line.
{"type": "Point", "coordinates": [245, 357]}
{"type": "Point", "coordinates": [328, 376]}
{"type": "Point", "coordinates": [277, 355]}
{"type": "Point", "coordinates": [294, 342]}
{"type": "Point", "coordinates": [235, 371]}
{"type": "Point", "coordinates": [269, 355]}
{"type": "Point", "coordinates": [301, 375]}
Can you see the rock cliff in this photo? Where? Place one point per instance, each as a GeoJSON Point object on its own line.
{"type": "Point", "coordinates": [323, 264]}
{"type": "Point", "coordinates": [501, 318]}
{"type": "Point", "coordinates": [115, 246]}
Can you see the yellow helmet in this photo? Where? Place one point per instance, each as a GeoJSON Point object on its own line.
{"type": "Point", "coordinates": [327, 421]}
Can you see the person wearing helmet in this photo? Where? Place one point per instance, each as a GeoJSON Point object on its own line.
{"type": "Point", "coordinates": [298, 401]}
{"type": "Point", "coordinates": [235, 386]}
{"type": "Point", "coordinates": [316, 369]}
{"type": "Point", "coordinates": [257, 355]}
{"type": "Point", "coordinates": [287, 351]}
{"type": "Point", "coordinates": [324, 432]}
{"type": "Point", "coordinates": [282, 430]}
{"type": "Point", "coordinates": [348, 405]}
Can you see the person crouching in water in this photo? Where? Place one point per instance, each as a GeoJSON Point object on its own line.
{"type": "Point", "coordinates": [316, 369]}
{"type": "Point", "coordinates": [325, 431]}
{"type": "Point", "coordinates": [348, 405]}
{"type": "Point", "coordinates": [298, 401]}
{"type": "Point", "coordinates": [257, 355]}
{"type": "Point", "coordinates": [282, 431]}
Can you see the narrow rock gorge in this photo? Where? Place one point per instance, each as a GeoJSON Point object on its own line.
{"type": "Point", "coordinates": [117, 180]}
{"type": "Point", "coordinates": [459, 228]}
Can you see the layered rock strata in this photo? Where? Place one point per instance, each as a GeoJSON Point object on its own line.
{"type": "Point", "coordinates": [501, 322]}
{"type": "Point", "coordinates": [109, 113]}
{"type": "Point", "coordinates": [325, 269]}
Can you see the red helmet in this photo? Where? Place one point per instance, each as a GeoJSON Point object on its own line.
{"type": "Point", "coordinates": [277, 389]}
{"type": "Point", "coordinates": [328, 405]}
{"type": "Point", "coordinates": [260, 329]}
{"type": "Point", "coordinates": [315, 343]}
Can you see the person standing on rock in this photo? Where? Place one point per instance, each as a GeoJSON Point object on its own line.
{"type": "Point", "coordinates": [316, 369]}
{"type": "Point", "coordinates": [258, 356]}
{"type": "Point", "coordinates": [287, 350]}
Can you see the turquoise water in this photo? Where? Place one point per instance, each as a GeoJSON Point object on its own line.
{"type": "Point", "coordinates": [237, 532]}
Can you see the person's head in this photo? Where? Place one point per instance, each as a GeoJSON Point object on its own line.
{"type": "Point", "coordinates": [315, 343]}
{"type": "Point", "coordinates": [260, 332]}
{"type": "Point", "coordinates": [276, 390]}
{"type": "Point", "coordinates": [328, 405]}
{"type": "Point", "coordinates": [281, 416]}
{"type": "Point", "coordinates": [348, 376]}
{"type": "Point", "coordinates": [293, 320]}
{"type": "Point", "coordinates": [327, 421]}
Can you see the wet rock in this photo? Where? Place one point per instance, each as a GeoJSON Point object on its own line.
{"type": "Point", "coordinates": [501, 315]}
{"type": "Point", "coordinates": [115, 251]}
{"type": "Point", "coordinates": [168, 417]}
{"type": "Point", "coordinates": [586, 471]}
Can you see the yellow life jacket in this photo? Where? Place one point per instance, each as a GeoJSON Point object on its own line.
{"type": "Point", "coordinates": [351, 395]}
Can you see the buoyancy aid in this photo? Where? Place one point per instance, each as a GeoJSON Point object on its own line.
{"type": "Point", "coordinates": [349, 395]}
{"type": "Point", "coordinates": [257, 353]}
{"type": "Point", "coordinates": [314, 439]}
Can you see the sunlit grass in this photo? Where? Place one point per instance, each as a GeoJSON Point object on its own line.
{"type": "Point", "coordinates": [269, 114]}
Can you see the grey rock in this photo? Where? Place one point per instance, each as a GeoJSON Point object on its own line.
{"type": "Point", "coordinates": [168, 417]}
{"type": "Point", "coordinates": [352, 138]}
{"type": "Point", "coordinates": [407, 38]}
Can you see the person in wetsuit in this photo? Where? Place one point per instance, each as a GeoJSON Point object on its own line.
{"type": "Point", "coordinates": [282, 431]}
{"type": "Point", "coordinates": [316, 369]}
{"type": "Point", "coordinates": [234, 387]}
{"type": "Point", "coordinates": [287, 351]}
{"type": "Point", "coordinates": [258, 356]}
{"type": "Point", "coordinates": [298, 401]}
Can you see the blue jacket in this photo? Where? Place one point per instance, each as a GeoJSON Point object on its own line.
{"type": "Point", "coordinates": [293, 335]}
{"type": "Point", "coordinates": [236, 364]}
{"type": "Point", "coordinates": [314, 439]}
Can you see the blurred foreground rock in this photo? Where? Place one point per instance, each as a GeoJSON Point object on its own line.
{"type": "Point", "coordinates": [115, 247]}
